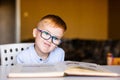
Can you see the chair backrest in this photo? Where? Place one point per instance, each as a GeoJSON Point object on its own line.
{"type": "Point", "coordinates": [9, 52]}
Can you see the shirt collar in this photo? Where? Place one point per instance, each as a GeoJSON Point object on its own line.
{"type": "Point", "coordinates": [38, 58]}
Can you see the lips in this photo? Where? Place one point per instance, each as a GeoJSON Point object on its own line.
{"type": "Point", "coordinates": [47, 44]}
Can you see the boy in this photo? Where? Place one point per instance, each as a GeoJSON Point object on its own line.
{"type": "Point", "coordinates": [47, 34]}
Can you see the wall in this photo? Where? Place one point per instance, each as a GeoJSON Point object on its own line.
{"type": "Point", "coordinates": [114, 19]}
{"type": "Point", "coordinates": [7, 21]}
{"type": "Point", "coordinates": [86, 19]}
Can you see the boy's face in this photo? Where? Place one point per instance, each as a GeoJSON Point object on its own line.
{"type": "Point", "coordinates": [45, 46]}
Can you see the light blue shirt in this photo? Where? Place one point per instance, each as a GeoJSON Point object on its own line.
{"type": "Point", "coordinates": [29, 56]}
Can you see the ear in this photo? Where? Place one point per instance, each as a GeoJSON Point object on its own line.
{"type": "Point", "coordinates": [34, 32]}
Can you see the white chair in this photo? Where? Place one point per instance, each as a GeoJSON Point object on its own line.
{"type": "Point", "coordinates": [9, 52]}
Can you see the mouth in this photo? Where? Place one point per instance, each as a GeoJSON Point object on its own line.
{"type": "Point", "coordinates": [47, 44]}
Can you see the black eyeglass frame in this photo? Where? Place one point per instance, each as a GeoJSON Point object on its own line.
{"type": "Point", "coordinates": [53, 37]}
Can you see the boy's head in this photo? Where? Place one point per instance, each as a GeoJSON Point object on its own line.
{"type": "Point", "coordinates": [49, 32]}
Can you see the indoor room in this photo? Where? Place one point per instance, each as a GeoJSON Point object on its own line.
{"type": "Point", "coordinates": [91, 34]}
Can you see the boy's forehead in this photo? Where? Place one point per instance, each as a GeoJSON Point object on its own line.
{"type": "Point", "coordinates": [47, 22]}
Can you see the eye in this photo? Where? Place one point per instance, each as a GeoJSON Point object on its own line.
{"type": "Point", "coordinates": [55, 38]}
{"type": "Point", "coordinates": [46, 33]}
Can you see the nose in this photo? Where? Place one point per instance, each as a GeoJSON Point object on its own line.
{"type": "Point", "coordinates": [50, 40]}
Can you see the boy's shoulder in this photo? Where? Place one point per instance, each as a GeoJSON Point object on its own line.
{"type": "Point", "coordinates": [59, 49]}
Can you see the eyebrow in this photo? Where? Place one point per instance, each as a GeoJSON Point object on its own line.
{"type": "Point", "coordinates": [51, 34]}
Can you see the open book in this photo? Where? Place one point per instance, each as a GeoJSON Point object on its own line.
{"type": "Point", "coordinates": [60, 69]}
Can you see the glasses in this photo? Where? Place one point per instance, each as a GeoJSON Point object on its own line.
{"type": "Point", "coordinates": [45, 35]}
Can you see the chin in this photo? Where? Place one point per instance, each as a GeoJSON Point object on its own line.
{"type": "Point", "coordinates": [45, 52]}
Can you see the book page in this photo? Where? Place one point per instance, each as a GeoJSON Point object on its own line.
{"type": "Point", "coordinates": [84, 65]}
{"type": "Point", "coordinates": [87, 69]}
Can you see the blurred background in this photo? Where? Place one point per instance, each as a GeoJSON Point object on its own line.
{"type": "Point", "coordinates": [86, 19]}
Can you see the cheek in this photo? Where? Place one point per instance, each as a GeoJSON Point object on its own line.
{"type": "Point", "coordinates": [38, 40]}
